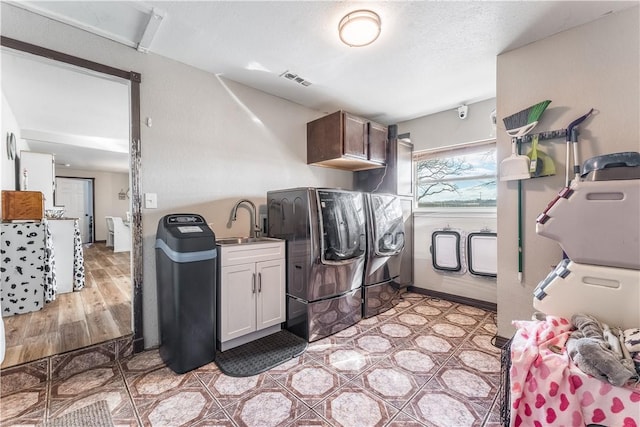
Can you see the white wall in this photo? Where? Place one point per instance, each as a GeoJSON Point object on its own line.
{"type": "Point", "coordinates": [438, 130]}
{"type": "Point", "coordinates": [445, 128]}
{"type": "Point", "coordinates": [426, 277]}
{"type": "Point", "coordinates": [595, 65]}
{"type": "Point", "coordinates": [107, 185]}
{"type": "Point", "coordinates": [8, 125]}
{"type": "Point", "coordinates": [212, 142]}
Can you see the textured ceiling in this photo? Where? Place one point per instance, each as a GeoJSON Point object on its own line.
{"type": "Point", "coordinates": [431, 56]}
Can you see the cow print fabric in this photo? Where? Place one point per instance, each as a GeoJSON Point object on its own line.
{"type": "Point", "coordinates": [22, 248]}
{"type": "Point", "coordinates": [78, 258]}
{"type": "Point", "coordinates": [28, 268]}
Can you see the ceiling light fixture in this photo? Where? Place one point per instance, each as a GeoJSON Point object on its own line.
{"type": "Point", "coordinates": [359, 28]}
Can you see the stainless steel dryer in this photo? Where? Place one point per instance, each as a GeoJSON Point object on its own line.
{"type": "Point", "coordinates": [326, 242]}
{"type": "Point", "coordinates": [385, 243]}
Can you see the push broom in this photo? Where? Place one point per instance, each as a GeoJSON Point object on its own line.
{"type": "Point", "coordinates": [516, 166]}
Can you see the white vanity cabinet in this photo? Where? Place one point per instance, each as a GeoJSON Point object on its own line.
{"type": "Point", "coordinates": [251, 292]}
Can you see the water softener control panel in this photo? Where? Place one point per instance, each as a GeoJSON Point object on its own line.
{"type": "Point", "coordinates": [186, 223]}
{"type": "Point", "coordinates": [184, 219]}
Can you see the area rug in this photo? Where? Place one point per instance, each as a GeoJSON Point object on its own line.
{"type": "Point", "coordinates": [260, 355]}
{"type": "Point", "coordinates": [95, 415]}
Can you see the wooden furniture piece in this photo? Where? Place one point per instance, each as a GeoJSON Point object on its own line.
{"type": "Point", "coordinates": [251, 292]}
{"type": "Point", "coordinates": [344, 141]}
{"type": "Point", "coordinates": [22, 205]}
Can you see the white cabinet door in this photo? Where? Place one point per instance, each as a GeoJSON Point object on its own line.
{"type": "Point", "coordinates": [270, 309]}
{"type": "Point", "coordinates": [237, 301]}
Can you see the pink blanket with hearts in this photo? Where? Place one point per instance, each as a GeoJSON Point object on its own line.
{"type": "Point", "coordinates": [547, 389]}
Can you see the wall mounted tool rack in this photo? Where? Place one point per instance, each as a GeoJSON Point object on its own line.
{"type": "Point", "coordinates": [547, 135]}
{"type": "Point", "coordinates": [550, 134]}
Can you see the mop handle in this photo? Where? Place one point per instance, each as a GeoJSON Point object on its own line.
{"type": "Point", "coordinates": [566, 173]}
{"type": "Point", "coordinates": [576, 161]}
{"type": "Point", "coordinates": [572, 137]}
{"type": "Point", "coordinates": [519, 225]}
{"type": "Point", "coordinates": [519, 231]}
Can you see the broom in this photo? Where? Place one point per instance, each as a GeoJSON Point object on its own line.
{"type": "Point", "coordinates": [517, 126]}
{"type": "Point", "coordinates": [522, 122]}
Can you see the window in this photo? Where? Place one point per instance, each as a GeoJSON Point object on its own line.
{"type": "Point", "coordinates": [457, 176]}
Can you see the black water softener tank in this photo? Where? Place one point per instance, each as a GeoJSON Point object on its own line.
{"type": "Point", "coordinates": [186, 277]}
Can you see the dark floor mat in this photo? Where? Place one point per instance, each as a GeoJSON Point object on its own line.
{"type": "Point", "coordinates": [260, 355]}
{"type": "Point", "coordinates": [97, 415]}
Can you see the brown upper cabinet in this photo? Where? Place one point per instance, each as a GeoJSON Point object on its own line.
{"type": "Point", "coordinates": [344, 141]}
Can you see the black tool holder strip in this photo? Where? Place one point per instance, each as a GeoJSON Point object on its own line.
{"type": "Point", "coordinates": [550, 134]}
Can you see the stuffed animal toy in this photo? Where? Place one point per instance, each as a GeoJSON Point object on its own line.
{"type": "Point", "coordinates": [591, 352]}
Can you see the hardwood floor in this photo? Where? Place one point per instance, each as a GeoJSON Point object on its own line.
{"type": "Point", "coordinates": [99, 312]}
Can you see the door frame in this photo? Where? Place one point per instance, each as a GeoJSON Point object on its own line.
{"type": "Point", "coordinates": [135, 80]}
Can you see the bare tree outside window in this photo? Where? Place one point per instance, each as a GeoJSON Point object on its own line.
{"type": "Point", "coordinates": [456, 180]}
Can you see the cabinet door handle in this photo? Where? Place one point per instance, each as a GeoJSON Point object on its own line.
{"type": "Point", "coordinates": [259, 282]}
{"type": "Point", "coordinates": [253, 284]}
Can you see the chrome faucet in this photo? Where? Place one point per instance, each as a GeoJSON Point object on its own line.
{"type": "Point", "coordinates": [255, 228]}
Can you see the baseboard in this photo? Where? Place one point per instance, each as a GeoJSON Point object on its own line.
{"type": "Point", "coordinates": [138, 345]}
{"type": "Point", "coordinates": [484, 305]}
{"type": "Point", "coordinates": [500, 341]}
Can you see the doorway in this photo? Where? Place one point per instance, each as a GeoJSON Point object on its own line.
{"type": "Point", "coordinates": [133, 81]}
{"type": "Point", "coordinates": [76, 195]}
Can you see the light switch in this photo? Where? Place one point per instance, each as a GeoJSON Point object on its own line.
{"type": "Point", "coordinates": [150, 200]}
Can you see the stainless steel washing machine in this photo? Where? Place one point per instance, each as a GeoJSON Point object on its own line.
{"type": "Point", "coordinates": [385, 244]}
{"type": "Point", "coordinates": [326, 244]}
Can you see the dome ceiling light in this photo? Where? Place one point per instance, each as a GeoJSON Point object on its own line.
{"type": "Point", "coordinates": [359, 28]}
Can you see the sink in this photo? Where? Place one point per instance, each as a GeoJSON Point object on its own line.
{"type": "Point", "coordinates": [244, 240]}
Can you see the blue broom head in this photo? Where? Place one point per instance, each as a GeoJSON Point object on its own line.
{"type": "Point", "coordinates": [526, 116]}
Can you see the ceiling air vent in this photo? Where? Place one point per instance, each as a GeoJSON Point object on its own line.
{"type": "Point", "coordinates": [296, 78]}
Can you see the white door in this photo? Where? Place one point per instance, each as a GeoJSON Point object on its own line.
{"type": "Point", "coordinates": [76, 195]}
{"type": "Point", "coordinates": [271, 293]}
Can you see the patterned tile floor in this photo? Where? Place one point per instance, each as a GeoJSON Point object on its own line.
{"type": "Point", "coordinates": [426, 362]}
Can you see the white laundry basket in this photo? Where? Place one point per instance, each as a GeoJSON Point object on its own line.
{"type": "Point", "coordinates": [596, 222]}
{"type": "Point", "coordinates": [609, 294]}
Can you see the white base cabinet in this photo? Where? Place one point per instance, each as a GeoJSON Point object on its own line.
{"type": "Point", "coordinates": [251, 292]}
{"type": "Point", "coordinates": [63, 239]}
